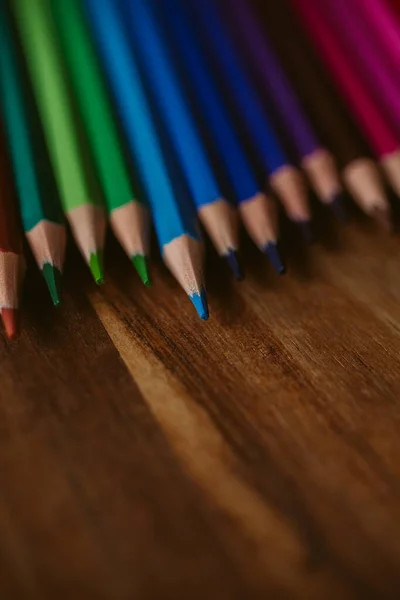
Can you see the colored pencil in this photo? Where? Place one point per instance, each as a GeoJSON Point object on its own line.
{"type": "Point", "coordinates": [385, 16]}
{"type": "Point", "coordinates": [381, 25]}
{"type": "Point", "coordinates": [217, 214]}
{"type": "Point", "coordinates": [128, 217]}
{"type": "Point", "coordinates": [174, 216]}
{"type": "Point", "coordinates": [12, 263]}
{"type": "Point", "coordinates": [329, 113]}
{"type": "Point", "coordinates": [360, 44]}
{"type": "Point", "coordinates": [285, 179]}
{"type": "Point", "coordinates": [82, 206]}
{"type": "Point", "coordinates": [40, 209]}
{"type": "Point", "coordinates": [258, 212]}
{"type": "Point", "coordinates": [316, 160]}
{"type": "Point", "coordinates": [371, 119]}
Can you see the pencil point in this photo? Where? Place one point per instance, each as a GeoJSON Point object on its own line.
{"type": "Point", "coordinates": [275, 258]}
{"type": "Point", "coordinates": [232, 258]}
{"type": "Point", "coordinates": [52, 276]}
{"type": "Point", "coordinates": [141, 266]}
{"type": "Point", "coordinates": [338, 207]}
{"type": "Point", "coordinates": [96, 267]}
{"type": "Point", "coordinates": [200, 304]}
{"type": "Point", "coordinates": [10, 318]}
{"type": "Point", "coordinates": [383, 216]}
{"type": "Point", "coordinates": [307, 231]}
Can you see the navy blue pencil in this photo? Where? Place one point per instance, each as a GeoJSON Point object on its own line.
{"type": "Point", "coordinates": [218, 215]}
{"type": "Point", "coordinates": [285, 178]}
{"type": "Point", "coordinates": [174, 214]}
{"type": "Point", "coordinates": [258, 212]}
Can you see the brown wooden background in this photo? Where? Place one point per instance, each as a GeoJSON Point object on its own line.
{"type": "Point", "coordinates": [147, 455]}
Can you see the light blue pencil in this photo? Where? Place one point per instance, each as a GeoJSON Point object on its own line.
{"type": "Point", "coordinates": [218, 216]}
{"type": "Point", "coordinates": [285, 179]}
{"type": "Point", "coordinates": [174, 214]}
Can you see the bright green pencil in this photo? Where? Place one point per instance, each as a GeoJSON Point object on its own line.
{"type": "Point", "coordinates": [83, 208]}
{"type": "Point", "coordinates": [40, 209]}
{"type": "Point", "coordinates": [129, 218]}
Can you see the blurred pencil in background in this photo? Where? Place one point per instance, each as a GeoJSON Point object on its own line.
{"type": "Point", "coordinates": [82, 206]}
{"type": "Point", "coordinates": [174, 214]}
{"type": "Point", "coordinates": [359, 172]}
{"type": "Point", "coordinates": [373, 122]}
{"type": "Point", "coordinates": [316, 160]}
{"type": "Point", "coordinates": [40, 208]}
{"type": "Point", "coordinates": [347, 21]}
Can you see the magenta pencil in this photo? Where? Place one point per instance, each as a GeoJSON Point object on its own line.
{"type": "Point", "coordinates": [383, 28]}
{"type": "Point", "coordinates": [386, 23]}
{"type": "Point", "coordinates": [351, 21]}
{"type": "Point", "coordinates": [365, 110]}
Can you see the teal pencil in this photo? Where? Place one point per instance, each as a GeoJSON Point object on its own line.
{"type": "Point", "coordinates": [40, 208]}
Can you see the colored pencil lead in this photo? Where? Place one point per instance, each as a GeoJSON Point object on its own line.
{"type": "Point", "coordinates": [259, 215]}
{"type": "Point", "coordinates": [275, 258]}
{"type": "Point", "coordinates": [141, 265]}
{"type": "Point", "coordinates": [201, 305]}
{"type": "Point", "coordinates": [10, 317]}
{"type": "Point", "coordinates": [96, 267]}
{"type": "Point", "coordinates": [52, 276]}
{"type": "Point", "coordinates": [232, 258]}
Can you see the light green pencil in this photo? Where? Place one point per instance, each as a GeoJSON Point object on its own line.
{"type": "Point", "coordinates": [128, 217]}
{"type": "Point", "coordinates": [81, 205]}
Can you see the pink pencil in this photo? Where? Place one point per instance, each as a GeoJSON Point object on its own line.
{"type": "Point", "coordinates": [369, 116]}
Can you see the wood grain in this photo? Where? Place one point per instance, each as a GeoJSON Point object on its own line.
{"type": "Point", "coordinates": [146, 455]}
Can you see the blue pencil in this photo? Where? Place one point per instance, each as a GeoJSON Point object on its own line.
{"type": "Point", "coordinates": [174, 216]}
{"type": "Point", "coordinates": [258, 212]}
{"type": "Point", "coordinates": [285, 179]}
{"type": "Point", "coordinates": [218, 216]}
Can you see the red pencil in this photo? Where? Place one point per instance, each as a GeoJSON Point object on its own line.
{"type": "Point", "coordinates": [12, 263]}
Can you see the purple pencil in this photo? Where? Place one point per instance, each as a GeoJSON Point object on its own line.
{"type": "Point", "coordinates": [317, 161]}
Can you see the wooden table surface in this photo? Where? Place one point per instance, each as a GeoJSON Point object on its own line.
{"type": "Point", "coordinates": [147, 455]}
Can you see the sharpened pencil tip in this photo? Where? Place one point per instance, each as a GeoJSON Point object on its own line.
{"type": "Point", "coordinates": [96, 267]}
{"type": "Point", "coordinates": [307, 231]}
{"type": "Point", "coordinates": [141, 265]}
{"type": "Point", "coordinates": [338, 207]}
{"type": "Point", "coordinates": [201, 304]}
{"type": "Point", "coordinates": [275, 258]}
{"type": "Point", "coordinates": [10, 318]}
{"type": "Point", "coordinates": [232, 258]}
{"type": "Point", "coordinates": [52, 277]}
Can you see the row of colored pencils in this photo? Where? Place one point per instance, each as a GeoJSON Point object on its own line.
{"type": "Point", "coordinates": [178, 112]}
